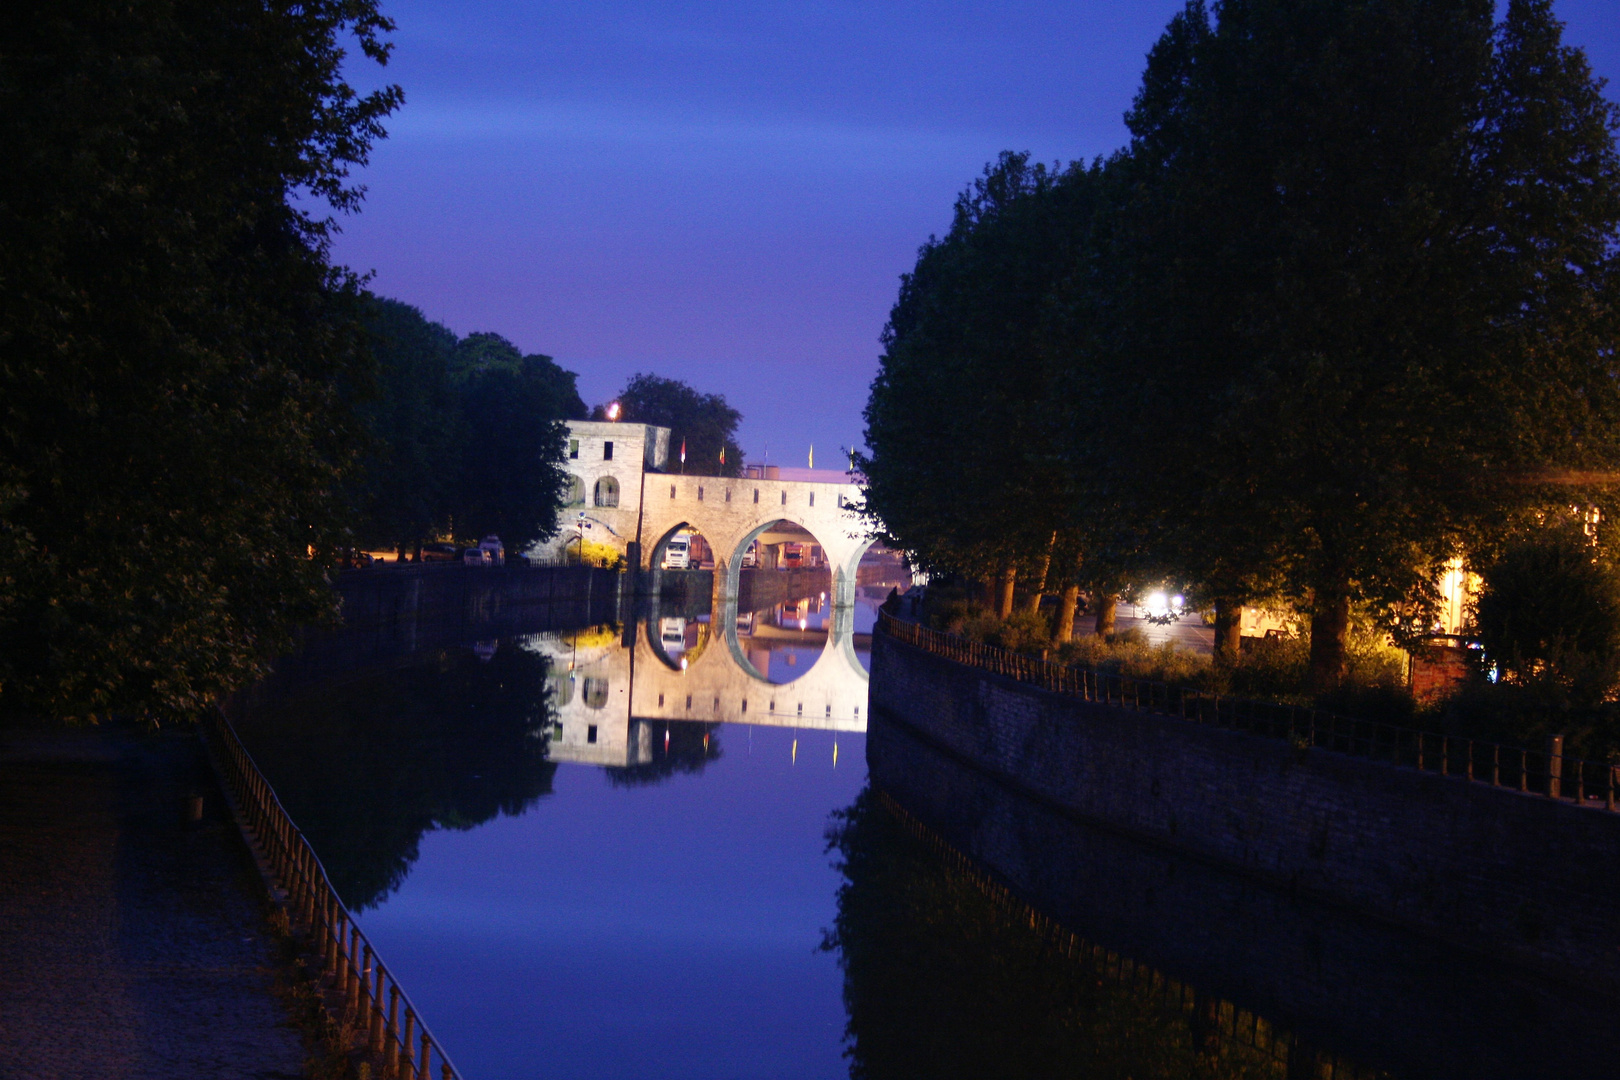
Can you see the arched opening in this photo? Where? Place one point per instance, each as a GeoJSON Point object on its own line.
{"type": "Point", "coordinates": [607, 492]}
{"type": "Point", "coordinates": [678, 623]}
{"type": "Point", "coordinates": [880, 571]}
{"type": "Point", "coordinates": [576, 491]}
{"type": "Point", "coordinates": [784, 618]}
{"type": "Point", "coordinates": [594, 692]}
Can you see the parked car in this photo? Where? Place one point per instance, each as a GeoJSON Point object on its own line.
{"type": "Point", "coordinates": [440, 553]}
{"type": "Point", "coordinates": [750, 557]}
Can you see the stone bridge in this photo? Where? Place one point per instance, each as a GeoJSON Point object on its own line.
{"type": "Point", "coordinates": [732, 512]}
{"type": "Point", "coordinates": [610, 694]}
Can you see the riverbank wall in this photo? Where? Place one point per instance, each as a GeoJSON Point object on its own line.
{"type": "Point", "coordinates": [390, 613]}
{"type": "Point", "coordinates": [1509, 875]}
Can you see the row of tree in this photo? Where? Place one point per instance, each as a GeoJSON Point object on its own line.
{"type": "Point", "coordinates": [199, 411]}
{"type": "Point", "coordinates": [1344, 308]}
{"type": "Point", "coordinates": [462, 437]}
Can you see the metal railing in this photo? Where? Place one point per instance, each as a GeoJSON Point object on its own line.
{"type": "Point", "coordinates": [1548, 773]}
{"type": "Point", "coordinates": [352, 978]}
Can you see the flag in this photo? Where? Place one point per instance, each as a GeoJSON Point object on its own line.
{"type": "Point", "coordinates": [812, 455]}
{"type": "Point", "coordinates": [683, 451]}
{"type": "Point", "coordinates": [722, 455]}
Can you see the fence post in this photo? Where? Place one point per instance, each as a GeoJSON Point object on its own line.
{"type": "Point", "coordinates": [391, 1032]}
{"type": "Point", "coordinates": [1555, 766]}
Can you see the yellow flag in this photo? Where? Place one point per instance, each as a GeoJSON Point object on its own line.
{"type": "Point", "coordinates": [812, 455]}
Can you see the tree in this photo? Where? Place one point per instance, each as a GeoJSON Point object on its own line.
{"type": "Point", "coordinates": [964, 470]}
{"type": "Point", "coordinates": [703, 423]}
{"type": "Point", "coordinates": [402, 487]}
{"type": "Point", "coordinates": [1550, 610]}
{"type": "Point", "coordinates": [175, 345]}
{"type": "Point", "coordinates": [1371, 250]}
{"type": "Point", "coordinates": [512, 440]}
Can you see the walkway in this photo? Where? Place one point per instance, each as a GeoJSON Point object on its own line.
{"type": "Point", "coordinates": [132, 943]}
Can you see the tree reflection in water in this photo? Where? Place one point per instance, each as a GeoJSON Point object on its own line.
{"type": "Point", "coordinates": [942, 981]}
{"type": "Point", "coordinates": [678, 747]}
{"type": "Point", "coordinates": [367, 766]}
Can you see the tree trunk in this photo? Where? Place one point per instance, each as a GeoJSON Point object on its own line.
{"type": "Point", "coordinates": [1066, 610]}
{"type": "Point", "coordinates": [1040, 579]}
{"type": "Point", "coordinates": [1004, 602]}
{"type": "Point", "coordinates": [1330, 633]}
{"type": "Point", "coordinates": [1107, 608]}
{"type": "Point", "coordinates": [1228, 632]}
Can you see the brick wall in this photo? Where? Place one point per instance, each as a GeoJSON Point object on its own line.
{"type": "Point", "coordinates": [1514, 874]}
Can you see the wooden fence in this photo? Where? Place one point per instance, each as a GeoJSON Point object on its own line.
{"type": "Point", "coordinates": [352, 978]}
{"type": "Point", "coordinates": [1548, 773]}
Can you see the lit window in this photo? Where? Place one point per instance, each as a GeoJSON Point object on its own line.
{"type": "Point", "coordinates": [573, 449]}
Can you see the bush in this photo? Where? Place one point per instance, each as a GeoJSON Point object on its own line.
{"type": "Point", "coordinates": [1130, 655]}
{"type": "Point", "coordinates": [1550, 612]}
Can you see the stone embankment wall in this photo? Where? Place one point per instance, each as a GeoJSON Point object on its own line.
{"type": "Point", "coordinates": [1516, 875]}
{"type": "Point", "coordinates": [390, 613]}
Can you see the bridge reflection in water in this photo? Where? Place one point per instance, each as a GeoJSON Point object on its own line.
{"type": "Point", "coordinates": [798, 664]}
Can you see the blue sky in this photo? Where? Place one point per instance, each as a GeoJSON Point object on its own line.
{"type": "Point", "coordinates": [727, 193]}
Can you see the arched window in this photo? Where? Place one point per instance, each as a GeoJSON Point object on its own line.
{"type": "Point", "coordinates": [595, 693]}
{"type": "Point", "coordinates": [607, 492]}
{"type": "Point", "coordinates": [576, 491]}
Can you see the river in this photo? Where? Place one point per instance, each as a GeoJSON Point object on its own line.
{"type": "Point", "coordinates": [651, 850]}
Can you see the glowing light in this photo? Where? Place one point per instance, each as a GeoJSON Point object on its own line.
{"type": "Point", "coordinates": [613, 410]}
{"type": "Point", "coordinates": [683, 663]}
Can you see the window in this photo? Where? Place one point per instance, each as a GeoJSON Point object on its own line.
{"type": "Point", "coordinates": [576, 491]}
{"type": "Point", "coordinates": [594, 693]}
{"type": "Point", "coordinates": [573, 449]}
{"type": "Point", "coordinates": [756, 495]}
{"type": "Point", "coordinates": [784, 498]}
{"type": "Point", "coordinates": [590, 733]}
{"type": "Point", "coordinates": [812, 498]}
{"type": "Point", "coordinates": [607, 451]}
{"type": "Point", "coordinates": [607, 492]}
{"type": "Point", "coordinates": [672, 491]}
{"type": "Point", "coordinates": [700, 493]}
{"type": "Point", "coordinates": [728, 494]}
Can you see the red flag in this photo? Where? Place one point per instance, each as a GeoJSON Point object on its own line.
{"type": "Point", "coordinates": [722, 455]}
{"type": "Point", "coordinates": [683, 451]}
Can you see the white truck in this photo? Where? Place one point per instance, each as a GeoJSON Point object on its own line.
{"type": "Point", "coordinates": [678, 552]}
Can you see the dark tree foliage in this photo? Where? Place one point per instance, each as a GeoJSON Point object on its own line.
{"type": "Point", "coordinates": [402, 488]}
{"type": "Point", "coordinates": [689, 749]}
{"type": "Point", "coordinates": [464, 437]}
{"type": "Point", "coordinates": [511, 441]}
{"type": "Point", "coordinates": [367, 766]}
{"type": "Point", "coordinates": [1550, 611]}
{"type": "Point", "coordinates": [703, 422]}
{"type": "Point", "coordinates": [174, 342]}
{"type": "Point", "coordinates": [941, 982]}
{"type": "Point", "coordinates": [964, 468]}
{"type": "Point", "coordinates": [1345, 308]}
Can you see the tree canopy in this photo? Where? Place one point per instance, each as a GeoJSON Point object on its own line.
{"type": "Point", "coordinates": [1337, 313]}
{"type": "Point", "coordinates": [175, 345]}
{"type": "Point", "coordinates": [703, 423]}
{"type": "Point", "coordinates": [465, 436]}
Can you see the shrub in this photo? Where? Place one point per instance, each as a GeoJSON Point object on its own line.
{"type": "Point", "coordinates": [1550, 612]}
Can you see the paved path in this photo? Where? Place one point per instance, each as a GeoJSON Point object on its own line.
{"type": "Point", "coordinates": [132, 943]}
{"type": "Point", "coordinates": [1188, 632]}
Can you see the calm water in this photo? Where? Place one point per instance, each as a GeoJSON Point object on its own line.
{"type": "Point", "coordinates": [652, 851]}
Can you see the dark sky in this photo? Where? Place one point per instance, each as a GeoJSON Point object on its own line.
{"type": "Point", "coordinates": [728, 192]}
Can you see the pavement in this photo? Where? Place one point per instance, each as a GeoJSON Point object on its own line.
{"type": "Point", "coordinates": [133, 942]}
{"type": "Point", "coordinates": [1188, 632]}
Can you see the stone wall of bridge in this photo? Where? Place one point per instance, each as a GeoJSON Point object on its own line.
{"type": "Point", "coordinates": [1517, 876]}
